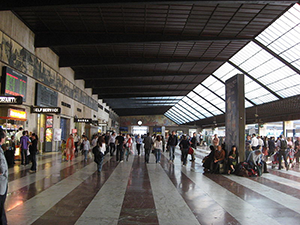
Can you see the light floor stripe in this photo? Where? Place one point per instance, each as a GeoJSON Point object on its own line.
{"type": "Point", "coordinates": [105, 208]}
{"type": "Point", "coordinates": [171, 207]}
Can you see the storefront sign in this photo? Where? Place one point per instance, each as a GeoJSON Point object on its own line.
{"type": "Point", "coordinates": [55, 110]}
{"type": "Point", "coordinates": [18, 100]}
{"type": "Point", "coordinates": [82, 120]}
{"type": "Point", "coordinates": [18, 114]}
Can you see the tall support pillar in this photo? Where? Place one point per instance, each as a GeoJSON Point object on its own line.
{"type": "Point", "coordinates": [235, 114]}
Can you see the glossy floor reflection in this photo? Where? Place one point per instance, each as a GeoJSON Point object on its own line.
{"type": "Point", "coordinates": [133, 192]}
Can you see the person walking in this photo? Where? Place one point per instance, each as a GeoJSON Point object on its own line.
{"type": "Point", "coordinates": [33, 151]}
{"type": "Point", "coordinates": [86, 147]}
{"type": "Point", "coordinates": [172, 142]}
{"type": "Point", "coordinates": [120, 146]}
{"type": "Point", "coordinates": [99, 151]}
{"type": "Point", "coordinates": [70, 148]}
{"type": "Point", "coordinates": [184, 146]}
{"type": "Point", "coordinates": [157, 148]}
{"type": "Point", "coordinates": [24, 142]}
{"type": "Point", "coordinates": [147, 146]}
{"type": "Point", "coordinates": [112, 146]}
{"type": "Point", "coordinates": [282, 146]}
{"type": "Point", "coordinates": [138, 144]}
{"type": "Point", "coordinates": [4, 179]}
{"type": "Point", "coordinates": [128, 146]}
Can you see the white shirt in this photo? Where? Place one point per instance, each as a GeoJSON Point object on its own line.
{"type": "Point", "coordinates": [86, 145]}
{"type": "Point", "coordinates": [254, 142]}
{"type": "Point", "coordinates": [103, 148]}
{"type": "Point", "coordinates": [260, 142]}
{"type": "Point", "coordinates": [157, 144]}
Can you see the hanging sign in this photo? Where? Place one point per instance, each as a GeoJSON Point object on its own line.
{"type": "Point", "coordinates": [82, 120]}
{"type": "Point", "coordinates": [17, 100]}
{"type": "Point", "coordinates": [55, 110]}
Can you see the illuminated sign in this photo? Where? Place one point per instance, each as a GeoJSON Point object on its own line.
{"type": "Point", "coordinates": [18, 114]}
{"type": "Point", "coordinates": [14, 83]}
{"type": "Point", "coordinates": [82, 120]}
{"type": "Point", "coordinates": [18, 100]}
{"type": "Point", "coordinates": [45, 110]}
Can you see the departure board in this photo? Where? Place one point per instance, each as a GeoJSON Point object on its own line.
{"type": "Point", "coordinates": [14, 83]}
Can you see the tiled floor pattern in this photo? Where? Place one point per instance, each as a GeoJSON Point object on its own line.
{"type": "Point", "coordinates": [132, 192]}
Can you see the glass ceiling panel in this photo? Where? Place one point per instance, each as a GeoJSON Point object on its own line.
{"type": "Point", "coordinates": [178, 116]}
{"type": "Point", "coordinates": [225, 72]}
{"type": "Point", "coordinates": [172, 118]}
{"type": "Point", "coordinates": [186, 112]}
{"type": "Point", "coordinates": [181, 114]}
{"type": "Point", "coordinates": [172, 115]}
{"type": "Point", "coordinates": [186, 102]}
{"type": "Point", "coordinates": [201, 102]}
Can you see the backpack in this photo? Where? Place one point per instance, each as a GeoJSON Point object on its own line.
{"type": "Point", "coordinates": [283, 144]}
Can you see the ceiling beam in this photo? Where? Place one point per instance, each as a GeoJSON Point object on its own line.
{"type": "Point", "coordinates": [87, 75]}
{"type": "Point", "coordinates": [87, 61]}
{"type": "Point", "coordinates": [9, 5]}
{"type": "Point", "coordinates": [92, 39]}
{"type": "Point", "coordinates": [136, 94]}
{"type": "Point", "coordinates": [135, 83]}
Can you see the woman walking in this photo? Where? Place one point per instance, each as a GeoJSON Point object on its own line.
{"type": "Point", "coordinates": [70, 148]}
{"type": "Point", "coordinates": [99, 151]}
{"type": "Point", "coordinates": [157, 148]}
{"type": "Point", "coordinates": [128, 146]}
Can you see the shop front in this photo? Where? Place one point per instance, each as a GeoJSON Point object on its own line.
{"type": "Point", "coordinates": [11, 119]}
{"type": "Point", "coordinates": [45, 126]}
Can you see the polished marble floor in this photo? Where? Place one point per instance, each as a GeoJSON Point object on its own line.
{"type": "Point", "coordinates": [133, 192]}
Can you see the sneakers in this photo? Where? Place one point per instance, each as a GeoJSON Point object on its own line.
{"type": "Point", "coordinates": [121, 161]}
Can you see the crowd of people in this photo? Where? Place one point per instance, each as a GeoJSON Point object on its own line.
{"type": "Point", "coordinates": [258, 151]}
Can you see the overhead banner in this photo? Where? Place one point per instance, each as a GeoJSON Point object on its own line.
{"type": "Point", "coordinates": [55, 110]}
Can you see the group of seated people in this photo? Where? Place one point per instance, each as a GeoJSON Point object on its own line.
{"type": "Point", "coordinates": [230, 164]}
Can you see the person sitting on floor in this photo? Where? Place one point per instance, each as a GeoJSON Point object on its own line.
{"type": "Point", "coordinates": [232, 159]}
{"type": "Point", "coordinates": [254, 161]}
{"type": "Point", "coordinates": [219, 157]}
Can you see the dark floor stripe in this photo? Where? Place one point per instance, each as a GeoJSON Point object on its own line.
{"type": "Point", "coordinates": [278, 186]}
{"type": "Point", "coordinates": [206, 210]}
{"type": "Point", "coordinates": [69, 209]}
{"type": "Point", "coordinates": [138, 205]}
{"type": "Point", "coordinates": [271, 208]}
{"type": "Point", "coordinates": [284, 175]}
{"type": "Point", "coordinates": [28, 192]}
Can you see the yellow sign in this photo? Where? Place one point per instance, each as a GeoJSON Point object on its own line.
{"type": "Point", "coordinates": [14, 113]}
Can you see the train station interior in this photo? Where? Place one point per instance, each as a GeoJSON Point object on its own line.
{"type": "Point", "coordinates": [229, 68]}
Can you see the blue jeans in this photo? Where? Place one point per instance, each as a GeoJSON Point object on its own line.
{"type": "Point", "coordinates": [157, 155]}
{"type": "Point", "coordinates": [172, 153]}
{"type": "Point", "coordinates": [85, 152]}
{"type": "Point", "coordinates": [99, 165]}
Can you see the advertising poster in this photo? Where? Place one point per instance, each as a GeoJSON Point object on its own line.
{"type": "Point", "coordinates": [57, 134]}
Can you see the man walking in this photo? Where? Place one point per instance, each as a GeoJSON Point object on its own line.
{"type": "Point", "coordinates": [282, 146]}
{"type": "Point", "coordinates": [24, 141]}
{"type": "Point", "coordinates": [172, 142]}
{"type": "Point", "coordinates": [147, 146]}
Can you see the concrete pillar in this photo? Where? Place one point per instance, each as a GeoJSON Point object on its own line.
{"type": "Point", "coordinates": [235, 114]}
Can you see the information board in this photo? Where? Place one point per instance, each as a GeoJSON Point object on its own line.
{"type": "Point", "coordinates": [14, 83]}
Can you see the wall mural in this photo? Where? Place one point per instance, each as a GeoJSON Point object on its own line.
{"type": "Point", "coordinates": [22, 60]}
{"type": "Point", "coordinates": [155, 120]}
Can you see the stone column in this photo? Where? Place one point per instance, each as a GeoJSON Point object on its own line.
{"type": "Point", "coordinates": [235, 114]}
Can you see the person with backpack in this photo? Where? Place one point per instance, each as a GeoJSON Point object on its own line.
{"type": "Point", "coordinates": [282, 146]}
